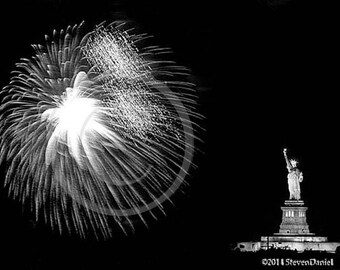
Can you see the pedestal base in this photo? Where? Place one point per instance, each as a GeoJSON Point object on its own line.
{"type": "Point", "coordinates": [298, 243]}
{"type": "Point", "coordinates": [294, 238]}
{"type": "Point", "coordinates": [294, 233]}
{"type": "Point", "coordinates": [294, 220]}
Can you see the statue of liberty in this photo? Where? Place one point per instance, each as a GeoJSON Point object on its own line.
{"type": "Point", "coordinates": [294, 177]}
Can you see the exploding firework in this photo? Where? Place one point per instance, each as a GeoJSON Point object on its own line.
{"type": "Point", "coordinates": [95, 126]}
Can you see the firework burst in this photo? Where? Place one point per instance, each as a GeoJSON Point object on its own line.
{"type": "Point", "coordinates": [95, 126]}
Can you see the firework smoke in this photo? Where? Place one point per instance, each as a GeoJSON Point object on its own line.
{"type": "Point", "coordinates": [93, 126]}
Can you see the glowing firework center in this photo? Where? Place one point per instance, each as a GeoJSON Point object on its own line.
{"type": "Point", "coordinates": [107, 119]}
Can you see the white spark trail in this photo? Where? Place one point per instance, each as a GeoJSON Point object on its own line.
{"type": "Point", "coordinates": [94, 126]}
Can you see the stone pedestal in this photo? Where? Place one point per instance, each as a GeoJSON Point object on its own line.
{"type": "Point", "coordinates": [293, 234]}
{"type": "Point", "coordinates": [294, 220]}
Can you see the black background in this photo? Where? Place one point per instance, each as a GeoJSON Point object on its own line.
{"type": "Point", "coordinates": [267, 78]}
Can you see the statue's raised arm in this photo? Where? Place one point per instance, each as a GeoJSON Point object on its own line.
{"type": "Point", "coordinates": [289, 165]}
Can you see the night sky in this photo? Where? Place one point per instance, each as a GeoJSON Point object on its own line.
{"type": "Point", "coordinates": [267, 78]}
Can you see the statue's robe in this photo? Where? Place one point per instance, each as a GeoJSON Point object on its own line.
{"type": "Point", "coordinates": [294, 179]}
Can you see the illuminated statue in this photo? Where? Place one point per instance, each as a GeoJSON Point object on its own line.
{"type": "Point", "coordinates": [294, 177]}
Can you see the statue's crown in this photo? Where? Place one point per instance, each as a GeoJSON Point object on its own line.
{"type": "Point", "coordinates": [293, 162]}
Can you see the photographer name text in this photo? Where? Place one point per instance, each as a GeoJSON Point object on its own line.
{"type": "Point", "coordinates": [296, 262]}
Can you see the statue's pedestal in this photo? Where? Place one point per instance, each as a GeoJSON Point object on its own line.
{"type": "Point", "coordinates": [294, 221]}
{"type": "Point", "coordinates": [294, 231]}
{"type": "Point", "coordinates": [293, 234]}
